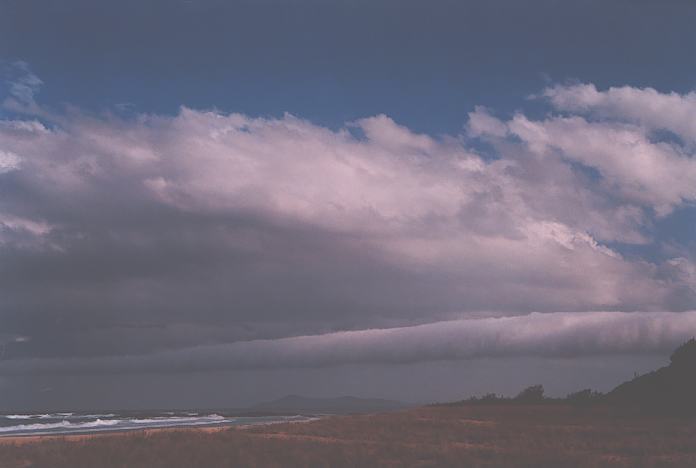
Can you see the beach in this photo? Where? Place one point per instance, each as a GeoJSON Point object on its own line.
{"type": "Point", "coordinates": [65, 423]}
{"type": "Point", "coordinates": [86, 436]}
{"type": "Point", "coordinates": [525, 435]}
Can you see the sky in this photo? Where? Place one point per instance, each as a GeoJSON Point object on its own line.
{"type": "Point", "coordinates": [211, 204]}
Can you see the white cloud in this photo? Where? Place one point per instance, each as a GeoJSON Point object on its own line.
{"type": "Point", "coordinates": [619, 141]}
{"type": "Point", "coordinates": [655, 174]}
{"type": "Point", "coordinates": [482, 123]}
{"type": "Point", "coordinates": [8, 161]}
{"type": "Point", "coordinates": [644, 106]}
{"type": "Point", "coordinates": [425, 205]}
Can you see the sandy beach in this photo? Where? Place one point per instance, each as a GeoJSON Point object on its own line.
{"type": "Point", "coordinates": [531, 435]}
{"type": "Point", "coordinates": [83, 437]}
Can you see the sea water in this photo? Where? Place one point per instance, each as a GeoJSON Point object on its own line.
{"type": "Point", "coordinates": [89, 422]}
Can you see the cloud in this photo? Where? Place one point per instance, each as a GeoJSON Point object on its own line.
{"type": "Point", "coordinates": [482, 123]}
{"type": "Point", "coordinates": [546, 335]}
{"type": "Point", "coordinates": [22, 84]}
{"type": "Point", "coordinates": [147, 234]}
{"type": "Point", "coordinates": [619, 143]}
{"type": "Point", "coordinates": [654, 174]}
{"type": "Point", "coordinates": [644, 106]}
{"type": "Point", "coordinates": [8, 161]}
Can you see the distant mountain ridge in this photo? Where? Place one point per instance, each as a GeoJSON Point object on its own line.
{"type": "Point", "coordinates": [341, 405]}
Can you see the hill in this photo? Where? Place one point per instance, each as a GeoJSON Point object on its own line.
{"type": "Point", "coordinates": [670, 389]}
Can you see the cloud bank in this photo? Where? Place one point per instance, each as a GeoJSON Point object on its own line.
{"type": "Point", "coordinates": [204, 233]}
{"type": "Point", "coordinates": [546, 335]}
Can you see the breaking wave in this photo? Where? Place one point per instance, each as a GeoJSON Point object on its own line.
{"type": "Point", "coordinates": [66, 423]}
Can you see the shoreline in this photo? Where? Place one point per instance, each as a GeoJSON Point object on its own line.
{"type": "Point", "coordinates": [145, 431]}
{"type": "Point", "coordinates": [466, 435]}
{"type": "Point", "coordinates": [82, 436]}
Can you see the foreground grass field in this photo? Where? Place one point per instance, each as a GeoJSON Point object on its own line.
{"type": "Point", "coordinates": [506, 435]}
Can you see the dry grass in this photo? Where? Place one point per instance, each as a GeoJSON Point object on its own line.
{"type": "Point", "coordinates": [534, 436]}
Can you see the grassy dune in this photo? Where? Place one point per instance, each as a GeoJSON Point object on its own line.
{"type": "Point", "coordinates": [469, 435]}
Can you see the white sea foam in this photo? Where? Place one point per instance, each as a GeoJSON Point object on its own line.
{"type": "Point", "coordinates": [76, 423]}
{"type": "Point", "coordinates": [177, 420]}
{"type": "Point", "coordinates": [60, 425]}
{"type": "Point", "coordinates": [57, 416]}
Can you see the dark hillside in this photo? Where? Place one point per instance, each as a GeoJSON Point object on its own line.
{"type": "Point", "coordinates": [670, 389]}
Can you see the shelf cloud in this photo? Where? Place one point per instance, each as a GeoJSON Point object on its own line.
{"type": "Point", "coordinates": [560, 334]}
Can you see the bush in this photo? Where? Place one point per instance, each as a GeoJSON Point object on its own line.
{"type": "Point", "coordinates": [491, 397]}
{"type": "Point", "coordinates": [583, 396]}
{"type": "Point", "coordinates": [532, 394]}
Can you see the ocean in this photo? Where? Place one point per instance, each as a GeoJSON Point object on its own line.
{"type": "Point", "coordinates": [89, 422]}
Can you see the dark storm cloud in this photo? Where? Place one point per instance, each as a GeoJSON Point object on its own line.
{"type": "Point", "coordinates": [152, 240]}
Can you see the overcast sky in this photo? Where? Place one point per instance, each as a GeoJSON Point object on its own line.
{"type": "Point", "coordinates": [207, 203]}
